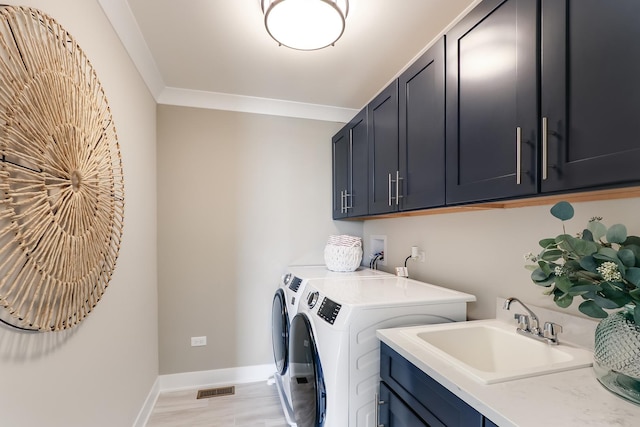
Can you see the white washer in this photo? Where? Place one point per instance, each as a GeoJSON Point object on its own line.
{"type": "Point", "coordinates": [285, 307]}
{"type": "Point", "coordinates": [297, 277]}
{"type": "Point", "coordinates": [334, 353]}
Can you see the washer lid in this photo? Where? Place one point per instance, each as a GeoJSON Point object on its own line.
{"type": "Point", "coordinates": [322, 272]}
{"type": "Point", "coordinates": [389, 290]}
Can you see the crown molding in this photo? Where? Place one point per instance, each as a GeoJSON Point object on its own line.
{"type": "Point", "coordinates": [124, 23]}
{"type": "Point", "coordinates": [251, 104]}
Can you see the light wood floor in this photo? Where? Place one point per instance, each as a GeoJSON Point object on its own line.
{"type": "Point", "coordinates": [252, 405]}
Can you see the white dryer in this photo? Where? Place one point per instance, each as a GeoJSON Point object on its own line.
{"type": "Point", "coordinates": [285, 307]}
{"type": "Point", "coordinates": [334, 353]}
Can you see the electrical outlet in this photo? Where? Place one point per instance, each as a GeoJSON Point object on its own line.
{"type": "Point", "coordinates": [402, 272]}
{"type": "Point", "coordinates": [198, 341]}
{"type": "Point", "coordinates": [421, 256]}
{"type": "Point", "coordinates": [379, 244]}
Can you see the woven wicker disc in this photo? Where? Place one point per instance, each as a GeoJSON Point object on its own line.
{"type": "Point", "coordinates": [61, 179]}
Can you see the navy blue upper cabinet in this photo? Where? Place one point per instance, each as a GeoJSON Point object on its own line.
{"type": "Point", "coordinates": [590, 93]}
{"type": "Point", "coordinates": [525, 98]}
{"type": "Point", "coordinates": [492, 102]}
{"type": "Point", "coordinates": [341, 160]}
{"type": "Point", "coordinates": [383, 151]}
{"type": "Point", "coordinates": [350, 168]}
{"type": "Point", "coordinates": [421, 145]}
{"type": "Point", "coordinates": [406, 138]}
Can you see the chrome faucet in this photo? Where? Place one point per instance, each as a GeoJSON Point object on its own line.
{"type": "Point", "coordinates": [529, 325]}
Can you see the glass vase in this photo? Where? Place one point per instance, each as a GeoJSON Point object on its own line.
{"type": "Point", "coordinates": [616, 358]}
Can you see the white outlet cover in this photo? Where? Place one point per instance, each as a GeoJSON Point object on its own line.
{"type": "Point", "coordinates": [198, 341]}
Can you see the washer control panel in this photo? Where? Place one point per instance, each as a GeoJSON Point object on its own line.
{"type": "Point", "coordinates": [294, 283]}
{"type": "Point", "coordinates": [329, 310]}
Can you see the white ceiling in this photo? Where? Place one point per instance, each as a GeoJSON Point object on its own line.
{"type": "Point", "coordinates": [217, 54]}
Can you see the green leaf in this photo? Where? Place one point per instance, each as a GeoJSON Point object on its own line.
{"type": "Point", "coordinates": [553, 255]}
{"type": "Point", "coordinates": [597, 229]}
{"type": "Point", "coordinates": [592, 309]}
{"type": "Point", "coordinates": [547, 243]}
{"type": "Point", "coordinates": [589, 264]}
{"type": "Point", "coordinates": [607, 254]}
{"type": "Point", "coordinates": [538, 275]}
{"type": "Point", "coordinates": [635, 249]}
{"type": "Point", "coordinates": [635, 294]}
{"type": "Point", "coordinates": [563, 283]}
{"type": "Point", "coordinates": [563, 301]}
{"type": "Point", "coordinates": [576, 246]}
{"type": "Point", "coordinates": [546, 267]}
{"type": "Point", "coordinates": [614, 295]}
{"type": "Point", "coordinates": [589, 295]}
{"type": "Point", "coordinates": [633, 275]}
{"type": "Point", "coordinates": [587, 235]}
{"type": "Point", "coordinates": [627, 257]}
{"type": "Point", "coordinates": [542, 280]}
{"type": "Point", "coordinates": [632, 240]}
{"type": "Point", "coordinates": [606, 303]}
{"type": "Point", "coordinates": [562, 210]}
{"type": "Point", "coordinates": [584, 289]}
{"type": "Point", "coordinates": [617, 233]}
{"type": "Point", "coordinates": [636, 314]}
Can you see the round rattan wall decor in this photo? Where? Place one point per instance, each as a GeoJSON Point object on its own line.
{"type": "Point", "coordinates": [61, 178]}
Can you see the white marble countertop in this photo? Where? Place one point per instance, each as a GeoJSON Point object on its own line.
{"type": "Point", "coordinates": [567, 399]}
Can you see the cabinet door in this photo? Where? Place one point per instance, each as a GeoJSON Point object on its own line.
{"type": "Point", "coordinates": [492, 102]}
{"type": "Point", "coordinates": [383, 151]}
{"type": "Point", "coordinates": [340, 151]}
{"type": "Point", "coordinates": [430, 400]}
{"type": "Point", "coordinates": [357, 200]}
{"type": "Point", "coordinates": [350, 168]}
{"type": "Point", "coordinates": [421, 130]}
{"type": "Point", "coordinates": [489, 423]}
{"type": "Point", "coordinates": [394, 412]}
{"type": "Point", "coordinates": [590, 93]}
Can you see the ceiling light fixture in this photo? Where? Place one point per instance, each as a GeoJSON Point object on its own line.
{"type": "Point", "coordinates": [305, 24]}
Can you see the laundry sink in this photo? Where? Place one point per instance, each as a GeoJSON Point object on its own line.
{"type": "Point", "coordinates": [490, 351]}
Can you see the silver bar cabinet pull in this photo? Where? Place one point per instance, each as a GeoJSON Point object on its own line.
{"type": "Point", "coordinates": [398, 188]}
{"type": "Point", "coordinates": [545, 147]}
{"type": "Point", "coordinates": [348, 201]}
{"type": "Point", "coordinates": [518, 155]}
{"type": "Point", "coordinates": [390, 198]}
{"type": "Point", "coordinates": [376, 410]}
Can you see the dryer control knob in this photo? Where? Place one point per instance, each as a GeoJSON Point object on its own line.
{"type": "Point", "coordinates": [286, 279]}
{"type": "Point", "coordinates": [312, 299]}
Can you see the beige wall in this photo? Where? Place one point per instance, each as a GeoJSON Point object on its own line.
{"type": "Point", "coordinates": [227, 182]}
{"type": "Point", "coordinates": [99, 373]}
{"type": "Point", "coordinates": [240, 197]}
{"type": "Point", "coordinates": [482, 252]}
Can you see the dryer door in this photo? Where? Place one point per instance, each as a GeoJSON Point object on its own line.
{"type": "Point", "coordinates": [307, 383]}
{"type": "Point", "coordinates": [280, 331]}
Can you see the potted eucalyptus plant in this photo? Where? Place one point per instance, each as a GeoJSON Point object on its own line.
{"type": "Point", "coordinates": [600, 266]}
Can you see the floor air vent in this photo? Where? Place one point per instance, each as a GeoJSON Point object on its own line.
{"type": "Point", "coordinates": [215, 392]}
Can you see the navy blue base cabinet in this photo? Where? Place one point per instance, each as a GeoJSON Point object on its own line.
{"type": "Point", "coordinates": [411, 398]}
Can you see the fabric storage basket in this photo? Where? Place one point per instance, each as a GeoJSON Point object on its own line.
{"type": "Point", "coordinates": [343, 253]}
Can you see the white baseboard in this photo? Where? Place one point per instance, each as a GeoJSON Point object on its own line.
{"type": "Point", "coordinates": [230, 376]}
{"type": "Point", "coordinates": [149, 403]}
{"type": "Point", "coordinates": [187, 380]}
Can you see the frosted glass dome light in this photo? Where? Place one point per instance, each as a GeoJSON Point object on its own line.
{"type": "Point", "coordinates": [305, 24]}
